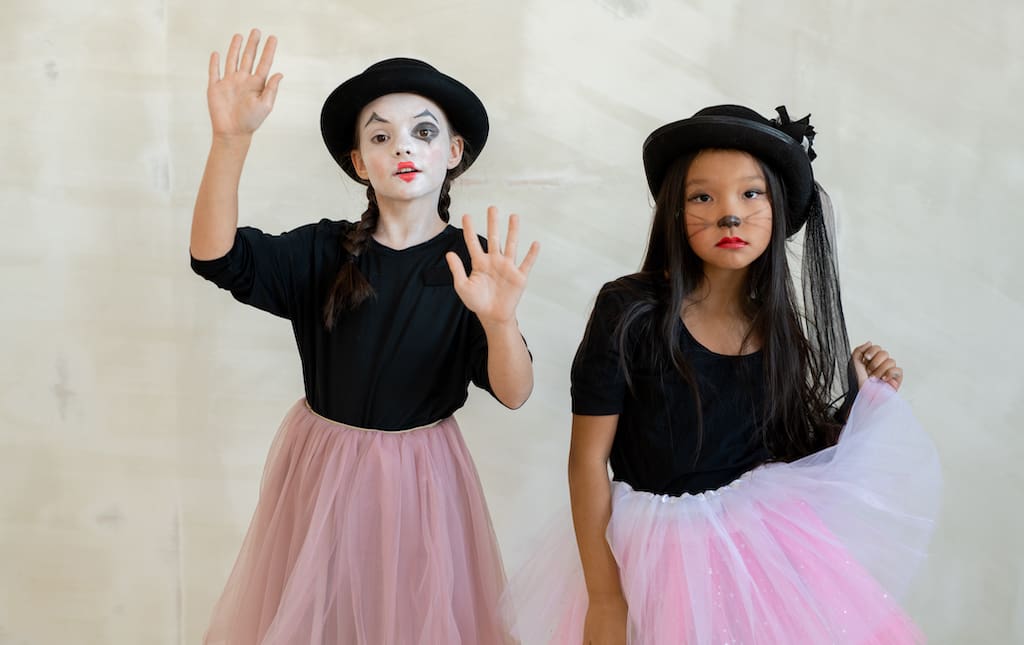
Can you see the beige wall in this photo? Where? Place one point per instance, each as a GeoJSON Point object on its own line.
{"type": "Point", "coordinates": [137, 402]}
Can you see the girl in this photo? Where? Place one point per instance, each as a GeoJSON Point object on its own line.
{"type": "Point", "coordinates": [371, 526]}
{"type": "Point", "coordinates": [738, 512]}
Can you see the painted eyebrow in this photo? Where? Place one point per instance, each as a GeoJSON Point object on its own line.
{"type": "Point", "coordinates": [375, 117]}
{"type": "Point", "coordinates": [427, 113]}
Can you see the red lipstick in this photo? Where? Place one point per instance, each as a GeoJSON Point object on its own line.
{"type": "Point", "coordinates": [407, 171]}
{"type": "Point", "coordinates": [731, 243]}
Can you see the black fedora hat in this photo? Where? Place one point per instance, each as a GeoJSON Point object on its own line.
{"type": "Point", "coordinates": [464, 110]}
{"type": "Point", "coordinates": [783, 144]}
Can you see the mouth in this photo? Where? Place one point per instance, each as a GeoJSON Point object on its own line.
{"type": "Point", "coordinates": [407, 171]}
{"type": "Point", "coordinates": [732, 243]}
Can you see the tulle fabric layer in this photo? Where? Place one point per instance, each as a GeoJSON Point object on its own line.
{"type": "Point", "coordinates": [811, 552]}
{"type": "Point", "coordinates": [365, 538]}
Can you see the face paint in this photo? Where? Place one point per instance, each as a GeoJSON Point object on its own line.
{"type": "Point", "coordinates": [405, 148]}
{"type": "Point", "coordinates": [725, 189]}
{"type": "Point", "coordinates": [426, 131]}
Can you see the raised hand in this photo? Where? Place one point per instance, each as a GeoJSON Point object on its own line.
{"type": "Point", "coordinates": [242, 98]}
{"type": "Point", "coordinates": [871, 360]}
{"type": "Point", "coordinates": [496, 283]}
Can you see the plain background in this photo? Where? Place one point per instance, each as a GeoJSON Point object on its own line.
{"type": "Point", "coordinates": [137, 402]}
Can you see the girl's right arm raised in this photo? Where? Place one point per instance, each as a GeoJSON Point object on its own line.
{"type": "Point", "coordinates": [239, 101]}
{"type": "Point", "coordinates": [590, 492]}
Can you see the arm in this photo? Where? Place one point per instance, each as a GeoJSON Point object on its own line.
{"type": "Point", "coordinates": [492, 291]}
{"type": "Point", "coordinates": [509, 368]}
{"type": "Point", "coordinates": [239, 102]}
{"type": "Point", "coordinates": [590, 492]}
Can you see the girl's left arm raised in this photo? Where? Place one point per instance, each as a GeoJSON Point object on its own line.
{"type": "Point", "coordinates": [492, 291]}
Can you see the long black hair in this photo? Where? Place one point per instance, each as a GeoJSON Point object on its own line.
{"type": "Point", "coordinates": [804, 352]}
{"type": "Point", "coordinates": [351, 287]}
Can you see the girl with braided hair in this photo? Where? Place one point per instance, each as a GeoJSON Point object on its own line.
{"type": "Point", "coordinates": [371, 526]}
{"type": "Point", "coordinates": [766, 488]}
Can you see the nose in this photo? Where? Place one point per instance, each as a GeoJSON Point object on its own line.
{"type": "Point", "coordinates": [729, 221]}
{"type": "Point", "coordinates": [403, 145]}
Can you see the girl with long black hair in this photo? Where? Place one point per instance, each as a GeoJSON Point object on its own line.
{"type": "Point", "coordinates": [769, 486]}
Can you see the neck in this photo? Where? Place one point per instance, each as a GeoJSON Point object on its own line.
{"type": "Point", "coordinates": [716, 316]}
{"type": "Point", "coordinates": [722, 293]}
{"type": "Point", "coordinates": [407, 223]}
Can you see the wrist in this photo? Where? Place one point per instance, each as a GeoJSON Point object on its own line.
{"type": "Point", "coordinates": [496, 326]}
{"type": "Point", "coordinates": [606, 598]}
{"type": "Point", "coordinates": [234, 140]}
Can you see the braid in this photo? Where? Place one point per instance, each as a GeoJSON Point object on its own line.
{"type": "Point", "coordinates": [351, 288]}
{"type": "Point", "coordinates": [445, 200]}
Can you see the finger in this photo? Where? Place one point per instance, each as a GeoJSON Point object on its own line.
{"type": "Point", "coordinates": [455, 266]}
{"type": "Point", "coordinates": [531, 257]}
{"type": "Point", "coordinates": [472, 241]}
{"type": "Point", "coordinates": [858, 351]}
{"type": "Point", "coordinates": [512, 240]}
{"type": "Point", "coordinates": [894, 377]}
{"type": "Point", "coordinates": [231, 62]}
{"type": "Point", "coordinates": [874, 358]}
{"type": "Point", "coordinates": [267, 57]}
{"type": "Point", "coordinates": [269, 94]}
{"type": "Point", "coordinates": [214, 69]}
{"type": "Point", "coordinates": [493, 241]}
{"type": "Point", "coordinates": [880, 370]}
{"type": "Point", "coordinates": [249, 55]}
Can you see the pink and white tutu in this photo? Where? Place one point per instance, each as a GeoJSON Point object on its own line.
{"type": "Point", "coordinates": [813, 552]}
{"type": "Point", "coordinates": [363, 537]}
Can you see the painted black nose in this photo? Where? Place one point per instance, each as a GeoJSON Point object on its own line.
{"type": "Point", "coordinates": [729, 221]}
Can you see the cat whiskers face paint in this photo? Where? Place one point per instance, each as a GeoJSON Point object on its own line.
{"type": "Point", "coordinates": [727, 213]}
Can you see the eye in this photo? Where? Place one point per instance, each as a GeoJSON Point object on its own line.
{"type": "Point", "coordinates": [425, 131]}
{"type": "Point", "coordinates": [699, 198]}
{"type": "Point", "coordinates": [753, 193]}
{"type": "Point", "coordinates": [379, 138]}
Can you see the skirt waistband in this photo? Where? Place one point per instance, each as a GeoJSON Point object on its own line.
{"type": "Point", "coordinates": [349, 426]}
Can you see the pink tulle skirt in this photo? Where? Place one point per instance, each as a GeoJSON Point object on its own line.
{"type": "Point", "coordinates": [817, 551]}
{"type": "Point", "coordinates": [363, 537]}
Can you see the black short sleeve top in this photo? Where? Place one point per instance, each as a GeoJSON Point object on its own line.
{"type": "Point", "coordinates": [403, 359]}
{"type": "Point", "coordinates": [657, 447]}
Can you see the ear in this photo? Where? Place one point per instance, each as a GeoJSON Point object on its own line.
{"type": "Point", "coordinates": [455, 151]}
{"type": "Point", "coordinates": [358, 165]}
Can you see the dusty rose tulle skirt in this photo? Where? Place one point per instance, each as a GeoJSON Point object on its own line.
{"type": "Point", "coordinates": [818, 551]}
{"type": "Point", "coordinates": [363, 537]}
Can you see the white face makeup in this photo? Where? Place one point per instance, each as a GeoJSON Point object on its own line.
{"type": "Point", "coordinates": [405, 148]}
{"type": "Point", "coordinates": [727, 213]}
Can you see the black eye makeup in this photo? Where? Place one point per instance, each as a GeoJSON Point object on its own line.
{"type": "Point", "coordinates": [426, 131]}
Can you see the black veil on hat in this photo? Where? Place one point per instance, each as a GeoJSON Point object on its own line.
{"type": "Point", "coordinates": [464, 110]}
{"type": "Point", "coordinates": [786, 146]}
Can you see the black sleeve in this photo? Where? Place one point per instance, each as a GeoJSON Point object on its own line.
{"type": "Point", "coordinates": [269, 272]}
{"type": "Point", "coordinates": [598, 383]}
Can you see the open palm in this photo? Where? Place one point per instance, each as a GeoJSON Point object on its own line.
{"type": "Point", "coordinates": [242, 98]}
{"type": "Point", "coordinates": [496, 283]}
